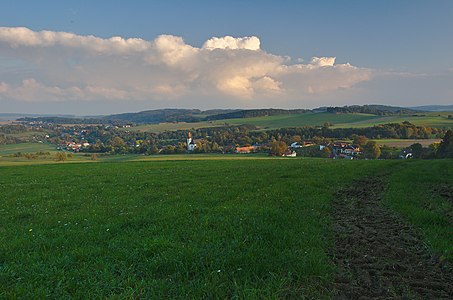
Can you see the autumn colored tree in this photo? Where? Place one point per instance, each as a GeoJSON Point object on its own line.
{"type": "Point", "coordinates": [326, 152]}
{"type": "Point", "coordinates": [61, 156]}
{"type": "Point", "coordinates": [359, 140]}
{"type": "Point", "coordinates": [372, 150]}
{"type": "Point", "coordinates": [278, 148]}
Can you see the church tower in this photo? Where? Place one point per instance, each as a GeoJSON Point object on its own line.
{"type": "Point", "coordinates": [190, 144]}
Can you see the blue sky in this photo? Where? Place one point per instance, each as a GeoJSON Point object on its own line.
{"type": "Point", "coordinates": [400, 53]}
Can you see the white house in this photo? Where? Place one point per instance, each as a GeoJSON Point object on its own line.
{"type": "Point", "coordinates": [295, 145]}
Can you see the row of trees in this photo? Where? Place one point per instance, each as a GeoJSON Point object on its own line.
{"type": "Point", "coordinates": [13, 129]}
{"type": "Point", "coordinates": [108, 139]}
{"type": "Point", "coordinates": [371, 109]}
{"type": "Point", "coordinates": [236, 135]}
{"type": "Point", "coordinates": [7, 139]}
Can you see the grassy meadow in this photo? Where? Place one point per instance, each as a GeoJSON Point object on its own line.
{"type": "Point", "coordinates": [352, 120]}
{"type": "Point", "coordinates": [9, 149]}
{"type": "Point", "coordinates": [430, 119]}
{"type": "Point", "coordinates": [402, 143]}
{"type": "Point", "coordinates": [189, 226]}
{"type": "Point", "coordinates": [298, 120]}
{"type": "Point", "coordinates": [171, 126]}
{"type": "Point", "coordinates": [422, 192]}
{"type": "Point", "coordinates": [8, 157]}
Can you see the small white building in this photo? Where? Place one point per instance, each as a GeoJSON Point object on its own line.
{"type": "Point", "coordinates": [295, 145]}
{"type": "Point", "coordinates": [290, 153]}
{"type": "Point", "coordinates": [191, 146]}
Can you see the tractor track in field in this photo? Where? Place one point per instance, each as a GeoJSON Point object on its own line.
{"type": "Point", "coordinates": [378, 255]}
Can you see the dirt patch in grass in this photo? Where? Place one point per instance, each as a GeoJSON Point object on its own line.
{"type": "Point", "coordinates": [378, 255]}
{"type": "Point", "coordinates": [445, 192]}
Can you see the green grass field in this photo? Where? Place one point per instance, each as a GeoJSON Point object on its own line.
{"type": "Point", "coordinates": [307, 119]}
{"type": "Point", "coordinates": [271, 122]}
{"type": "Point", "coordinates": [415, 192]}
{"type": "Point", "coordinates": [437, 119]}
{"type": "Point", "coordinates": [27, 134]}
{"type": "Point", "coordinates": [26, 148]}
{"type": "Point", "coordinates": [402, 143]}
{"type": "Point", "coordinates": [161, 127]}
{"type": "Point", "coordinates": [7, 155]}
{"type": "Point", "coordinates": [188, 226]}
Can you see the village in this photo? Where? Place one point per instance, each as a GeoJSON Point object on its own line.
{"type": "Point", "coordinates": [108, 139]}
{"type": "Point", "coordinates": [77, 142]}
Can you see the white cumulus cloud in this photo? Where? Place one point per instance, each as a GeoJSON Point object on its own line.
{"type": "Point", "coordinates": [63, 66]}
{"type": "Point", "coordinates": [323, 61]}
{"type": "Point", "coordinates": [229, 42]}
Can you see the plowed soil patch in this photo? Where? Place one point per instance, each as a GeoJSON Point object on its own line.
{"type": "Point", "coordinates": [379, 256]}
{"type": "Point", "coordinates": [445, 191]}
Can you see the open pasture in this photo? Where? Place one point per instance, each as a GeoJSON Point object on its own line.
{"type": "Point", "coordinates": [206, 228]}
{"type": "Point", "coordinates": [352, 120]}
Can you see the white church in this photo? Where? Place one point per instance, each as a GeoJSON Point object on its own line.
{"type": "Point", "coordinates": [191, 146]}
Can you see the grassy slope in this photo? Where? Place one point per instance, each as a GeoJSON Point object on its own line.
{"type": "Point", "coordinates": [307, 119]}
{"type": "Point", "coordinates": [170, 126]}
{"type": "Point", "coordinates": [438, 119]}
{"type": "Point", "coordinates": [401, 143]}
{"type": "Point", "coordinates": [412, 193]}
{"type": "Point", "coordinates": [25, 148]}
{"type": "Point", "coordinates": [190, 229]}
{"type": "Point", "coordinates": [271, 122]}
{"type": "Point", "coordinates": [180, 229]}
{"type": "Point", "coordinates": [429, 120]}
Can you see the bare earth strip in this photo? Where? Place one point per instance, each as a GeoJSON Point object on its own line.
{"type": "Point", "coordinates": [378, 256]}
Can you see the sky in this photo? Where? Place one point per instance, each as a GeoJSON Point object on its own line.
{"type": "Point", "coordinates": [102, 57]}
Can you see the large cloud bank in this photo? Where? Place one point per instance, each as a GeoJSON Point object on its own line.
{"type": "Point", "coordinates": [61, 66]}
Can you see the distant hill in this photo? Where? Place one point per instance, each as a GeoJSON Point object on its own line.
{"type": "Point", "coordinates": [252, 113]}
{"type": "Point", "coordinates": [15, 116]}
{"type": "Point", "coordinates": [219, 111]}
{"type": "Point", "coordinates": [433, 108]}
{"type": "Point", "coordinates": [375, 109]}
{"type": "Point", "coordinates": [158, 116]}
{"type": "Point", "coordinates": [196, 115]}
{"type": "Point", "coordinates": [67, 120]}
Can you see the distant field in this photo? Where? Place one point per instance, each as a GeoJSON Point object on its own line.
{"type": "Point", "coordinates": [27, 134]}
{"type": "Point", "coordinates": [438, 119]}
{"type": "Point", "coordinates": [7, 158]}
{"type": "Point", "coordinates": [307, 119]}
{"type": "Point", "coordinates": [161, 127]}
{"type": "Point", "coordinates": [26, 148]}
{"type": "Point", "coordinates": [401, 143]}
{"type": "Point", "coordinates": [207, 228]}
{"type": "Point", "coordinates": [271, 122]}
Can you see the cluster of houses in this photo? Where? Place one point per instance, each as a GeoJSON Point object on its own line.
{"type": "Point", "coordinates": [338, 150]}
{"type": "Point", "coordinates": [73, 146]}
{"type": "Point", "coordinates": [342, 150]}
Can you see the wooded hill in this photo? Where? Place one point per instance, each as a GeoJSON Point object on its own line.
{"type": "Point", "coordinates": [196, 115]}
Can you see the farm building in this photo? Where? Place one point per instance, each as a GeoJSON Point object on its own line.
{"type": "Point", "coordinates": [245, 149]}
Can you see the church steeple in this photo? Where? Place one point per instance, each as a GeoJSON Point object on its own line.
{"type": "Point", "coordinates": [190, 144]}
